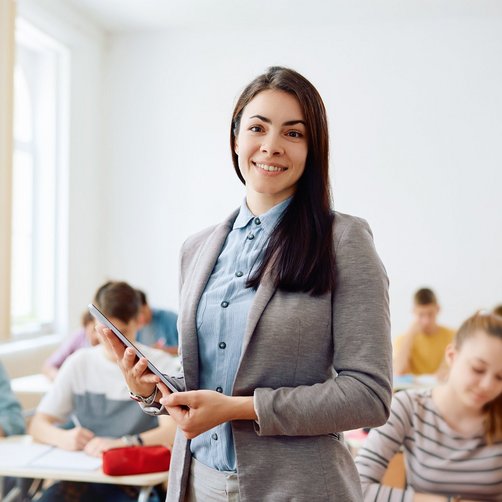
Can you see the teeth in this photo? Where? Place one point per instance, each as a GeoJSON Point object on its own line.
{"type": "Point", "coordinates": [265, 167]}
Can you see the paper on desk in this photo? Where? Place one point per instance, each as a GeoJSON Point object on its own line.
{"type": "Point", "coordinates": [20, 455]}
{"type": "Point", "coordinates": [63, 459]}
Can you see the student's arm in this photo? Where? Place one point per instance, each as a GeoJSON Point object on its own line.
{"type": "Point", "coordinates": [380, 447]}
{"type": "Point", "coordinates": [402, 351]}
{"type": "Point", "coordinates": [44, 429]}
{"type": "Point", "coordinates": [163, 435]}
{"type": "Point", "coordinates": [11, 415]}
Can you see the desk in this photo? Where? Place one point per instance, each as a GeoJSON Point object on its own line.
{"type": "Point", "coordinates": [30, 389]}
{"type": "Point", "coordinates": [405, 382]}
{"type": "Point", "coordinates": [146, 482]}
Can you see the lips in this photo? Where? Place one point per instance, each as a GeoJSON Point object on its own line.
{"type": "Point", "coordinates": [271, 168]}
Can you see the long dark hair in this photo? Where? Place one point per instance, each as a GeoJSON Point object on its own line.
{"type": "Point", "coordinates": [300, 250]}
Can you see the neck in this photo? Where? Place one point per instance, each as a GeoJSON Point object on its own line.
{"type": "Point", "coordinates": [259, 203]}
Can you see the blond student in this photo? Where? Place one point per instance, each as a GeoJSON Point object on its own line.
{"type": "Point", "coordinates": [451, 435]}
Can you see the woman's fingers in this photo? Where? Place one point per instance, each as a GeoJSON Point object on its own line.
{"type": "Point", "coordinates": [116, 346]}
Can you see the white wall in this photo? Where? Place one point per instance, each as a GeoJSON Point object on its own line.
{"type": "Point", "coordinates": [415, 112]}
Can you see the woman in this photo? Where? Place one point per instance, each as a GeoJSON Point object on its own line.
{"type": "Point", "coordinates": [452, 435]}
{"type": "Point", "coordinates": [283, 320]}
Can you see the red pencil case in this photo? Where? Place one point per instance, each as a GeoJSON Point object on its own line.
{"type": "Point", "coordinates": [136, 460]}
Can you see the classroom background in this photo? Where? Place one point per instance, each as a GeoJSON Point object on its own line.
{"type": "Point", "coordinates": [144, 100]}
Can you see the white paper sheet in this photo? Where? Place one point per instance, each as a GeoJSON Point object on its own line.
{"type": "Point", "coordinates": [62, 459]}
{"type": "Point", "coordinates": [20, 455]}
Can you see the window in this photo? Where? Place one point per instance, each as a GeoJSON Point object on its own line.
{"type": "Point", "coordinates": [40, 131]}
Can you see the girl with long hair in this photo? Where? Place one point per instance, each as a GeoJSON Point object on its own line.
{"type": "Point", "coordinates": [451, 435]}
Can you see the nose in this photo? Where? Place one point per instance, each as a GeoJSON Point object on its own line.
{"type": "Point", "coordinates": [271, 145]}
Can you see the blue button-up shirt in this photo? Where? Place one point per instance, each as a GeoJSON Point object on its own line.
{"type": "Point", "coordinates": [221, 322]}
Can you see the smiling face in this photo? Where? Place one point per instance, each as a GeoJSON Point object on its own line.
{"type": "Point", "coordinates": [476, 370]}
{"type": "Point", "coordinates": [272, 147]}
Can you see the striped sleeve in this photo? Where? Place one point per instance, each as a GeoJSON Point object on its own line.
{"type": "Point", "coordinates": [379, 449]}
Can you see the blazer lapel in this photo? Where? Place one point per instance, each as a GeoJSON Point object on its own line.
{"type": "Point", "coordinates": [200, 274]}
{"type": "Point", "coordinates": [263, 295]}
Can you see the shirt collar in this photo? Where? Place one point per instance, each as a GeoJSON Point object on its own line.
{"type": "Point", "coordinates": [268, 220]}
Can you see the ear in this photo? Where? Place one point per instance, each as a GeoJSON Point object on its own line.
{"type": "Point", "coordinates": [236, 146]}
{"type": "Point", "coordinates": [450, 354]}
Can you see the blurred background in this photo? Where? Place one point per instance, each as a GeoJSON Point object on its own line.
{"type": "Point", "coordinates": [120, 114]}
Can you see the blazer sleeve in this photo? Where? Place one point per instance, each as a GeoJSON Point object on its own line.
{"type": "Point", "coordinates": [358, 393]}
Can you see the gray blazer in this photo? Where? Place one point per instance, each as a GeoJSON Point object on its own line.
{"type": "Point", "coordinates": [316, 366]}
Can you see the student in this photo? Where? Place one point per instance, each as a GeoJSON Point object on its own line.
{"type": "Point", "coordinates": [89, 389]}
{"type": "Point", "coordinates": [11, 413]}
{"type": "Point", "coordinates": [158, 327]}
{"type": "Point", "coordinates": [421, 349]}
{"type": "Point", "coordinates": [283, 319]}
{"type": "Point", "coordinates": [452, 435]}
{"type": "Point", "coordinates": [85, 337]}
{"type": "Point", "coordinates": [12, 422]}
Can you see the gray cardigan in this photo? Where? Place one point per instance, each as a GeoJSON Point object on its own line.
{"type": "Point", "coordinates": [316, 366]}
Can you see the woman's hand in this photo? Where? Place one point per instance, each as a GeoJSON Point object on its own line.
{"type": "Point", "coordinates": [138, 377]}
{"type": "Point", "coordinates": [198, 411]}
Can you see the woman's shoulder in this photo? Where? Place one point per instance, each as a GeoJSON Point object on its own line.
{"type": "Point", "coordinates": [198, 238]}
{"type": "Point", "coordinates": [350, 229]}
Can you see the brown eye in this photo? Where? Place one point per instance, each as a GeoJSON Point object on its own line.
{"type": "Point", "coordinates": [295, 134]}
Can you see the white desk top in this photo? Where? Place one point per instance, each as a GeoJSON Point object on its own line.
{"type": "Point", "coordinates": [90, 476]}
{"type": "Point", "coordinates": [31, 384]}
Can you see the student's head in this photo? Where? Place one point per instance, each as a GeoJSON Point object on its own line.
{"type": "Point", "coordinates": [279, 136]}
{"type": "Point", "coordinates": [475, 360]}
{"type": "Point", "coordinates": [145, 312]}
{"type": "Point", "coordinates": [88, 324]}
{"type": "Point", "coordinates": [426, 309]}
{"type": "Point", "coordinates": [120, 303]}
{"type": "Point", "coordinates": [498, 310]}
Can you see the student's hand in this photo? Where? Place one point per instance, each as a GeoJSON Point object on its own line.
{"type": "Point", "coordinates": [97, 445]}
{"type": "Point", "coordinates": [138, 377]}
{"type": "Point", "coordinates": [75, 439]}
{"type": "Point", "coordinates": [413, 330]}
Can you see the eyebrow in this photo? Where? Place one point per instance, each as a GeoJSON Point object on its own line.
{"type": "Point", "coordinates": [287, 123]}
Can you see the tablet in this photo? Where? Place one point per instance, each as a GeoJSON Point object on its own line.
{"type": "Point", "coordinates": [173, 384]}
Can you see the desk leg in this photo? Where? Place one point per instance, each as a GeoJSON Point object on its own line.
{"type": "Point", "coordinates": [144, 493]}
{"type": "Point", "coordinates": [12, 495]}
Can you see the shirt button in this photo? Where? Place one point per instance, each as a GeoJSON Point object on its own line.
{"type": "Point", "coordinates": [257, 221]}
{"type": "Point", "coordinates": [219, 389]}
{"type": "Point", "coordinates": [222, 345]}
{"type": "Point", "coordinates": [214, 436]}
{"type": "Point", "coordinates": [224, 304]}
{"type": "Point", "coordinates": [239, 274]}
{"type": "Point", "coordinates": [250, 237]}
